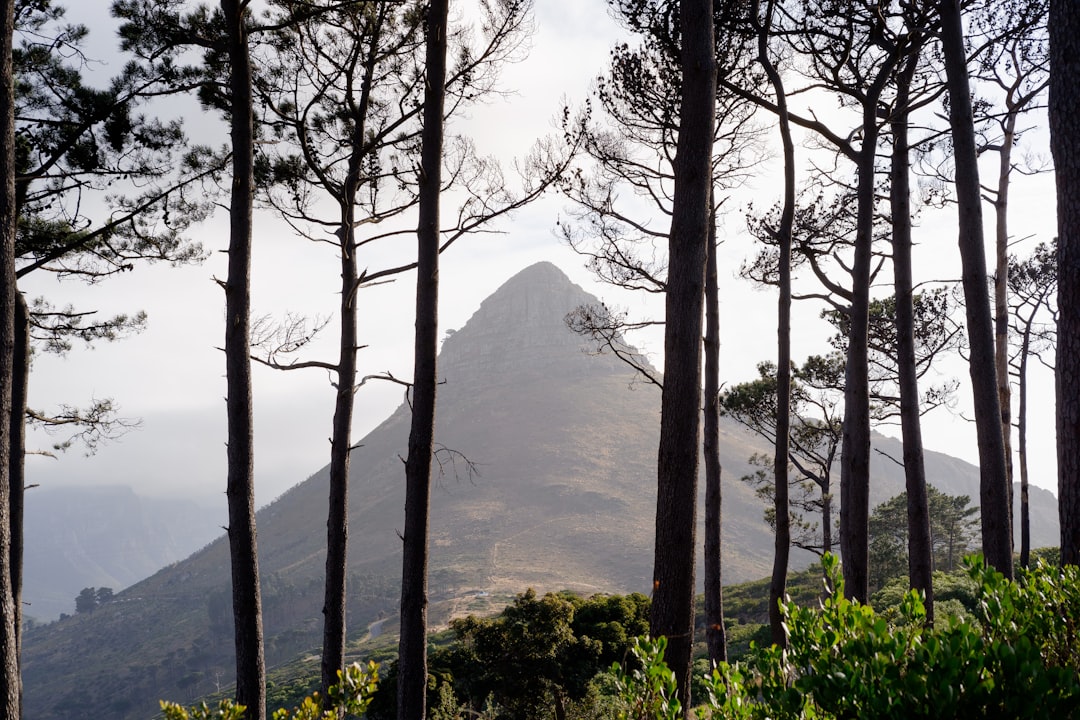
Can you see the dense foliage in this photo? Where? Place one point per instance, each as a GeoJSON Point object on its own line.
{"type": "Point", "coordinates": [954, 531]}
{"type": "Point", "coordinates": [351, 695]}
{"type": "Point", "coordinates": [998, 648]}
{"type": "Point", "coordinates": [1017, 656]}
{"type": "Point", "coordinates": [540, 653]}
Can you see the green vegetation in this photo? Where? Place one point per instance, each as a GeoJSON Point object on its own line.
{"type": "Point", "coordinates": [1016, 656]}
{"type": "Point", "coordinates": [351, 695]}
{"type": "Point", "coordinates": [954, 529]}
{"type": "Point", "coordinates": [540, 655]}
{"type": "Point", "coordinates": [90, 598]}
{"type": "Point", "coordinates": [997, 649]}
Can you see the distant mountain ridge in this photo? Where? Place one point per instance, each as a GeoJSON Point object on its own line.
{"type": "Point", "coordinates": [565, 443]}
{"type": "Point", "coordinates": [103, 536]}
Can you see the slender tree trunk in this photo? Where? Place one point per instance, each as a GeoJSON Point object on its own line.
{"type": "Point", "coordinates": [993, 481]}
{"type": "Point", "coordinates": [782, 537]}
{"type": "Point", "coordinates": [412, 650]}
{"type": "Point", "coordinates": [920, 549]}
{"type": "Point", "coordinates": [1064, 105]}
{"type": "Point", "coordinates": [781, 501]}
{"type": "Point", "coordinates": [1021, 438]}
{"type": "Point", "coordinates": [19, 389]}
{"type": "Point", "coordinates": [10, 683]}
{"type": "Point", "coordinates": [247, 601]}
{"type": "Point", "coordinates": [855, 443]}
{"type": "Point", "coordinates": [337, 519]}
{"type": "Point", "coordinates": [560, 705]}
{"type": "Point", "coordinates": [672, 613]}
{"type": "Point", "coordinates": [715, 635]}
{"type": "Point", "coordinates": [1001, 298]}
{"type": "Point", "coordinates": [826, 516]}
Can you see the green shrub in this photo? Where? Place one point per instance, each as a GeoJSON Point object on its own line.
{"type": "Point", "coordinates": [649, 691]}
{"type": "Point", "coordinates": [1015, 657]}
{"type": "Point", "coordinates": [351, 695]}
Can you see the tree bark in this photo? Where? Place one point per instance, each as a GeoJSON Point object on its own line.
{"type": "Point", "coordinates": [10, 683]}
{"type": "Point", "coordinates": [715, 635]}
{"type": "Point", "coordinates": [1001, 296]}
{"type": "Point", "coordinates": [920, 548]}
{"type": "Point", "coordinates": [1064, 108]}
{"type": "Point", "coordinates": [855, 442]}
{"type": "Point", "coordinates": [781, 499]}
{"type": "Point", "coordinates": [412, 649]}
{"type": "Point", "coordinates": [337, 519]}
{"type": "Point", "coordinates": [247, 601]}
{"type": "Point", "coordinates": [672, 613]}
{"type": "Point", "coordinates": [993, 481]}
{"type": "Point", "coordinates": [19, 389]}
{"type": "Point", "coordinates": [782, 537]}
{"type": "Point", "coordinates": [1021, 439]}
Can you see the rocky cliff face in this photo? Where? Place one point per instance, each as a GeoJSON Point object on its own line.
{"type": "Point", "coordinates": [519, 331]}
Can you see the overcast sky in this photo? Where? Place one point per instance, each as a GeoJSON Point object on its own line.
{"type": "Point", "coordinates": [172, 377]}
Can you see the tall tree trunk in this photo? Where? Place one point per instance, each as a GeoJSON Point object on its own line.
{"type": "Point", "coordinates": [247, 601]}
{"type": "Point", "coordinates": [1021, 438]}
{"type": "Point", "coordinates": [10, 683]}
{"type": "Point", "coordinates": [781, 500]}
{"type": "Point", "coordinates": [1001, 297]}
{"type": "Point", "coordinates": [1064, 106]}
{"type": "Point", "coordinates": [826, 516]}
{"type": "Point", "coordinates": [672, 613]}
{"type": "Point", "coordinates": [19, 389]}
{"type": "Point", "coordinates": [782, 538]}
{"type": "Point", "coordinates": [715, 635]}
{"type": "Point", "coordinates": [412, 649]}
{"type": "Point", "coordinates": [920, 548]}
{"type": "Point", "coordinates": [337, 519]}
{"type": "Point", "coordinates": [993, 481]}
{"type": "Point", "coordinates": [855, 443]}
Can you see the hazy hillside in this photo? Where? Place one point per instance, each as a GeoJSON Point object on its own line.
{"type": "Point", "coordinates": [565, 446]}
{"type": "Point", "coordinates": [97, 536]}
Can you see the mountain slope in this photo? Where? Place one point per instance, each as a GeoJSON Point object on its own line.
{"type": "Point", "coordinates": [102, 536]}
{"type": "Point", "coordinates": [565, 445]}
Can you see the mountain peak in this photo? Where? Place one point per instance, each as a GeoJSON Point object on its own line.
{"type": "Point", "coordinates": [522, 325]}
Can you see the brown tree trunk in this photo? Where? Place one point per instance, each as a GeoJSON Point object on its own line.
{"type": "Point", "coordinates": [1001, 298]}
{"type": "Point", "coordinates": [855, 443]}
{"type": "Point", "coordinates": [993, 482]}
{"type": "Point", "coordinates": [855, 440]}
{"type": "Point", "coordinates": [247, 601]}
{"type": "Point", "coordinates": [19, 389]}
{"type": "Point", "coordinates": [672, 614]}
{"type": "Point", "coordinates": [10, 683]}
{"type": "Point", "coordinates": [1021, 438]}
{"type": "Point", "coordinates": [920, 549]}
{"type": "Point", "coordinates": [412, 648]}
{"type": "Point", "coordinates": [1064, 106]}
{"type": "Point", "coordinates": [782, 537]}
{"type": "Point", "coordinates": [715, 635]}
{"type": "Point", "coordinates": [781, 500]}
{"type": "Point", "coordinates": [826, 517]}
{"type": "Point", "coordinates": [337, 518]}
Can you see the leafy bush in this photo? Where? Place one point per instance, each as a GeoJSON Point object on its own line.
{"type": "Point", "coordinates": [536, 659]}
{"type": "Point", "coordinates": [649, 692]}
{"type": "Point", "coordinates": [1017, 657]}
{"type": "Point", "coordinates": [351, 695]}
